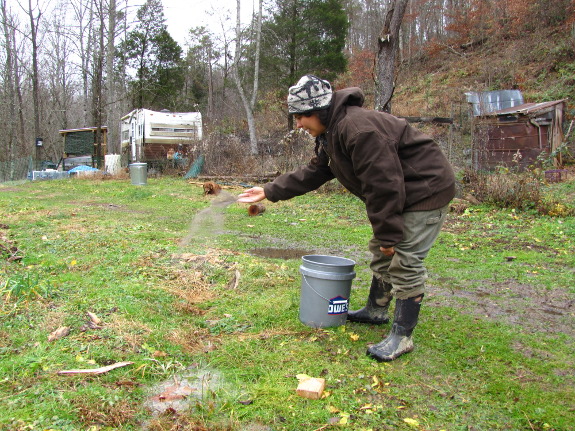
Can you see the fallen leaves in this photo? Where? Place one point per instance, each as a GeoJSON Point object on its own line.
{"type": "Point", "coordinates": [8, 249]}
{"type": "Point", "coordinates": [94, 322]}
{"type": "Point", "coordinates": [61, 332]}
{"type": "Point", "coordinates": [343, 417]}
{"type": "Point", "coordinates": [211, 256]}
{"type": "Point", "coordinates": [369, 408]}
{"type": "Point", "coordinates": [175, 392]}
{"type": "Point", "coordinates": [411, 422]}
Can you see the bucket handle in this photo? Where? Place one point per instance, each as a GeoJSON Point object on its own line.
{"type": "Point", "coordinates": [315, 291]}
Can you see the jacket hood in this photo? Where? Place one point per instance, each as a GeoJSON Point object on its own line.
{"type": "Point", "coordinates": [352, 96]}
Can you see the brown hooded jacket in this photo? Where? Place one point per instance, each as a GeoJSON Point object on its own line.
{"type": "Point", "coordinates": [380, 158]}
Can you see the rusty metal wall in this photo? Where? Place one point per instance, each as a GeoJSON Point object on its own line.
{"type": "Point", "coordinates": [513, 144]}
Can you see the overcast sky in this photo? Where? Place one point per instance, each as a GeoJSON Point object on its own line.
{"type": "Point", "coordinates": [182, 15]}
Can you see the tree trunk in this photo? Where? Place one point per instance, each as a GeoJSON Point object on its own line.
{"type": "Point", "coordinates": [97, 84]}
{"type": "Point", "coordinates": [388, 45]}
{"type": "Point", "coordinates": [210, 85]}
{"type": "Point", "coordinates": [292, 56]}
{"type": "Point", "coordinates": [248, 105]}
{"type": "Point", "coordinates": [9, 84]}
{"type": "Point", "coordinates": [112, 118]}
{"type": "Point", "coordinates": [35, 75]}
{"type": "Point", "coordinates": [257, 56]}
{"type": "Point", "coordinates": [83, 39]}
{"type": "Point", "coordinates": [19, 97]}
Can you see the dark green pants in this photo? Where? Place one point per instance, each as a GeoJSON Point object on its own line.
{"type": "Point", "coordinates": [405, 269]}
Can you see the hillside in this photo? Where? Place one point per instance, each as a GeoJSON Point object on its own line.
{"type": "Point", "coordinates": [540, 64]}
{"type": "Point", "coordinates": [432, 84]}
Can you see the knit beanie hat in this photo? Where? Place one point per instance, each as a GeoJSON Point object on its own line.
{"type": "Point", "coordinates": [309, 94]}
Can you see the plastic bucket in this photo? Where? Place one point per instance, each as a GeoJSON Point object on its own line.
{"type": "Point", "coordinates": [139, 173]}
{"type": "Point", "coordinates": [325, 289]}
{"type": "Point", "coordinates": [112, 164]}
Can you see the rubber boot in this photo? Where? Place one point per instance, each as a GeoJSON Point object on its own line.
{"type": "Point", "coordinates": [399, 340]}
{"type": "Point", "coordinates": [375, 311]}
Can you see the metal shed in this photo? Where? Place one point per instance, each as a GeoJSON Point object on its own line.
{"type": "Point", "coordinates": [518, 135]}
{"type": "Point", "coordinates": [82, 146]}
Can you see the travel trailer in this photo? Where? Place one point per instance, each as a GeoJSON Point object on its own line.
{"type": "Point", "coordinates": [152, 136]}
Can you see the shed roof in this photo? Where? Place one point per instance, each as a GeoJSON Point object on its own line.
{"type": "Point", "coordinates": [526, 108]}
{"type": "Point", "coordinates": [84, 129]}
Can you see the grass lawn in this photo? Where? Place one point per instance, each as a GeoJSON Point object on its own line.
{"type": "Point", "coordinates": [201, 300]}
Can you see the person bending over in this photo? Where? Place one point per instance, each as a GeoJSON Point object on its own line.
{"type": "Point", "coordinates": [400, 174]}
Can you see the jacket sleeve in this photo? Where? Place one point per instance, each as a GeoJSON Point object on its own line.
{"type": "Point", "coordinates": [377, 166]}
{"type": "Point", "coordinates": [300, 181]}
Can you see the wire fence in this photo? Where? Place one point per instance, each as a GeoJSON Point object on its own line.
{"type": "Point", "coordinates": [16, 169]}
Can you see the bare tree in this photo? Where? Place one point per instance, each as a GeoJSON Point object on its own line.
{"type": "Point", "coordinates": [110, 112]}
{"type": "Point", "coordinates": [365, 17]}
{"type": "Point", "coordinates": [97, 80]}
{"type": "Point", "coordinates": [248, 105]}
{"type": "Point", "coordinates": [58, 82]}
{"type": "Point", "coordinates": [83, 39]}
{"type": "Point", "coordinates": [11, 88]}
{"type": "Point", "coordinates": [34, 14]}
{"type": "Point", "coordinates": [225, 44]}
{"type": "Point", "coordinates": [388, 44]}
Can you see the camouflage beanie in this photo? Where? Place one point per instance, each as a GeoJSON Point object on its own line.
{"type": "Point", "coordinates": [309, 94]}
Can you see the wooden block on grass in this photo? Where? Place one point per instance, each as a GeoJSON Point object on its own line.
{"type": "Point", "coordinates": [311, 388]}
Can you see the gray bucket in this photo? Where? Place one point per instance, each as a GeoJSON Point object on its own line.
{"type": "Point", "coordinates": [325, 289]}
{"type": "Point", "coordinates": [139, 173]}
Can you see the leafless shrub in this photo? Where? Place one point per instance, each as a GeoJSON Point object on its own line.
{"type": "Point", "coordinates": [554, 208]}
{"type": "Point", "coordinates": [225, 155]}
{"type": "Point", "coordinates": [519, 190]}
{"type": "Point", "coordinates": [228, 155]}
{"type": "Point", "coordinates": [293, 150]}
{"type": "Point", "coordinates": [504, 189]}
{"type": "Point", "coordinates": [333, 186]}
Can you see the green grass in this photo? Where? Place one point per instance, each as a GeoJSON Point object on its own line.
{"type": "Point", "coordinates": [494, 346]}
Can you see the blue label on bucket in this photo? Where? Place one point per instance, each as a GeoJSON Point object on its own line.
{"type": "Point", "coordinates": [337, 305]}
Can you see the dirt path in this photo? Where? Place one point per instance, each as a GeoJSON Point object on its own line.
{"type": "Point", "coordinates": [532, 309]}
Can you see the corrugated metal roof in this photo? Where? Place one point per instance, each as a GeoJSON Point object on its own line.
{"type": "Point", "coordinates": [527, 108]}
{"type": "Point", "coordinates": [486, 102]}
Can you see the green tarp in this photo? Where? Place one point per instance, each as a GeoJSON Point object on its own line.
{"type": "Point", "coordinates": [81, 142]}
